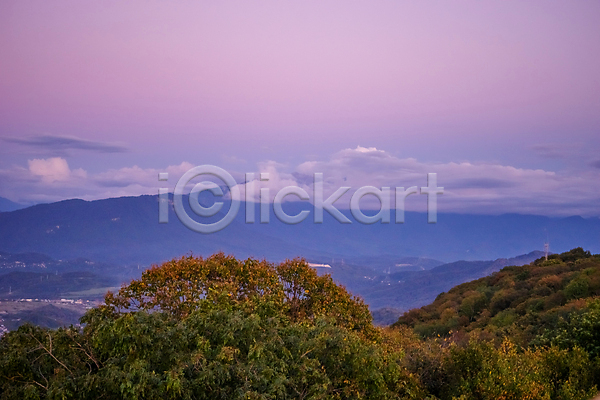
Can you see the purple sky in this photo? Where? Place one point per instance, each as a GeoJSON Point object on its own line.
{"type": "Point", "coordinates": [501, 99]}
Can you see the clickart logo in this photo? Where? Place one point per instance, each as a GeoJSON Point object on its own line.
{"type": "Point", "coordinates": [319, 203]}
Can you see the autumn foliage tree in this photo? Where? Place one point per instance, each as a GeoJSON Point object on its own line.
{"type": "Point", "coordinates": [214, 328]}
{"type": "Point", "coordinates": [222, 328]}
{"type": "Point", "coordinates": [182, 285]}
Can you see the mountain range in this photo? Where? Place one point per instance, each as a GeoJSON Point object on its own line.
{"type": "Point", "coordinates": [126, 231]}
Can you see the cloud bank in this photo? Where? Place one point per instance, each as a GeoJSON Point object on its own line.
{"type": "Point", "coordinates": [484, 188]}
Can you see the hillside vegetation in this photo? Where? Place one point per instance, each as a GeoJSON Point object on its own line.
{"type": "Point", "coordinates": [221, 328]}
{"type": "Point", "coordinates": [215, 328]}
{"type": "Point", "coordinates": [528, 303]}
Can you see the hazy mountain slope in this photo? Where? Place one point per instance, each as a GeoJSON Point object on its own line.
{"type": "Point", "coordinates": [126, 230]}
{"type": "Point", "coordinates": [406, 290]}
{"type": "Point", "coordinates": [36, 262]}
{"type": "Point", "coordinates": [7, 205]}
{"type": "Point", "coordinates": [41, 314]}
{"type": "Point", "coordinates": [18, 284]}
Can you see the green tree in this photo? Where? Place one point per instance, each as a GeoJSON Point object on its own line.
{"type": "Point", "coordinates": [212, 329]}
{"type": "Point", "coordinates": [178, 286]}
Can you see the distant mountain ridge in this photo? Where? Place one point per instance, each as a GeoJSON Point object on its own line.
{"type": "Point", "coordinates": [410, 289]}
{"type": "Point", "coordinates": [126, 231]}
{"type": "Point", "coordinates": [42, 263]}
{"type": "Point", "coordinates": [6, 205]}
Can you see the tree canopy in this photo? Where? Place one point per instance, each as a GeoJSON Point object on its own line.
{"type": "Point", "coordinates": [214, 328]}
{"type": "Point", "coordinates": [182, 285]}
{"type": "Point", "coordinates": [221, 328]}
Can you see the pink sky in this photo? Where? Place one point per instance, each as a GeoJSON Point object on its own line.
{"type": "Point", "coordinates": [239, 83]}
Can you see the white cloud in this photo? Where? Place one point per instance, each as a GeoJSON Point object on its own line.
{"type": "Point", "coordinates": [484, 188]}
{"type": "Point", "coordinates": [361, 149]}
{"type": "Point", "coordinates": [48, 180]}
{"type": "Point", "coordinates": [469, 187]}
{"type": "Point", "coordinates": [53, 169]}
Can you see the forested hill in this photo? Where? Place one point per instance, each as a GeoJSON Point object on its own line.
{"type": "Point", "coordinates": [534, 303]}
{"type": "Point", "coordinates": [222, 328]}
